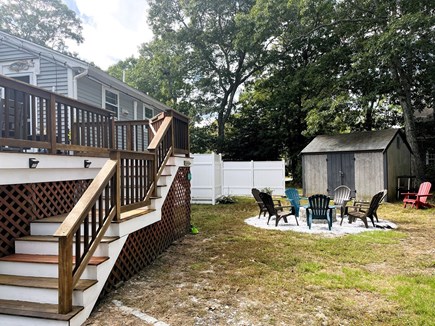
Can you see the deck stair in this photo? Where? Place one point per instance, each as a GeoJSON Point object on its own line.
{"type": "Point", "coordinates": [29, 278]}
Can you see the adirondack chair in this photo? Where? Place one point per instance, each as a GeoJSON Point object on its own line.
{"type": "Point", "coordinates": [294, 199]}
{"type": "Point", "coordinates": [419, 199]}
{"type": "Point", "coordinates": [364, 205]}
{"type": "Point", "coordinates": [256, 193]}
{"type": "Point", "coordinates": [318, 208]}
{"type": "Point", "coordinates": [341, 198]}
{"type": "Point", "coordinates": [276, 211]}
{"type": "Point", "coordinates": [363, 212]}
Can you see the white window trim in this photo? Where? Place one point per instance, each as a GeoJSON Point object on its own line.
{"type": "Point", "coordinates": [144, 111]}
{"type": "Point", "coordinates": [32, 70]}
{"type": "Point", "coordinates": [103, 98]}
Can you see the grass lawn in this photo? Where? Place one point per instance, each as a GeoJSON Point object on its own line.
{"type": "Point", "coordinates": [231, 273]}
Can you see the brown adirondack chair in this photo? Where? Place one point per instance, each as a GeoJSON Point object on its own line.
{"type": "Point", "coordinates": [364, 205]}
{"type": "Point", "coordinates": [256, 193]}
{"type": "Point", "coordinates": [364, 213]}
{"type": "Point", "coordinates": [276, 211]}
{"type": "Point", "coordinates": [419, 199]}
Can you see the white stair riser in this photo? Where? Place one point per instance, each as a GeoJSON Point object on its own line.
{"type": "Point", "coordinates": [51, 248]}
{"type": "Point", "coordinates": [7, 320]}
{"type": "Point", "coordinates": [8, 292]}
{"type": "Point", "coordinates": [90, 296]}
{"type": "Point", "coordinates": [40, 269]}
{"type": "Point", "coordinates": [48, 228]}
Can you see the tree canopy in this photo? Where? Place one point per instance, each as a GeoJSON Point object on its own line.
{"type": "Point", "coordinates": [268, 75]}
{"type": "Point", "coordinates": [45, 22]}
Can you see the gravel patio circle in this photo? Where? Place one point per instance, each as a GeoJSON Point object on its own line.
{"type": "Point", "coordinates": [320, 228]}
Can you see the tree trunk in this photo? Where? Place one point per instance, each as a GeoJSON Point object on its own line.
{"type": "Point", "coordinates": [221, 132]}
{"type": "Point", "coordinates": [404, 95]}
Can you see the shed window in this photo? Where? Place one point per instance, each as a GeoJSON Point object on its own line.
{"type": "Point", "coordinates": [398, 142]}
{"type": "Point", "coordinates": [430, 158]}
{"type": "Point", "coordinates": [111, 101]}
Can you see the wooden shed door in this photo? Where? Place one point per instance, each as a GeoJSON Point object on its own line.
{"type": "Point", "coordinates": [341, 171]}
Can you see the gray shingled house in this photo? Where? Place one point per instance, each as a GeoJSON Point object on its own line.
{"type": "Point", "coordinates": [366, 162]}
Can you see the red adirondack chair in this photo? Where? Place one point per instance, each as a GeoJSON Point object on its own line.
{"type": "Point", "coordinates": [419, 199]}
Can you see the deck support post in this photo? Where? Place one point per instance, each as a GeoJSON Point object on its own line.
{"type": "Point", "coordinates": [65, 275]}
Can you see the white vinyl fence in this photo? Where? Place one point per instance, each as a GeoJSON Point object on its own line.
{"type": "Point", "coordinates": [211, 177]}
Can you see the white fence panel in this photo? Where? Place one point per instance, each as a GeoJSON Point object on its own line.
{"type": "Point", "coordinates": [270, 174]}
{"type": "Point", "coordinates": [211, 177]}
{"type": "Point", "coordinates": [240, 177]}
{"type": "Point", "coordinates": [206, 183]}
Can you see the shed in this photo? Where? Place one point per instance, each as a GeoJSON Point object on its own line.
{"type": "Point", "coordinates": [366, 162]}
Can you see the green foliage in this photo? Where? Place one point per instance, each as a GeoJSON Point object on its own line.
{"type": "Point", "coordinates": [274, 74]}
{"type": "Point", "coordinates": [226, 199]}
{"type": "Point", "coordinates": [45, 22]}
{"type": "Point", "coordinates": [267, 190]}
{"type": "Point", "coordinates": [225, 46]}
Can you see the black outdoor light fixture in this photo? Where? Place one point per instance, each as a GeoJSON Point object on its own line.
{"type": "Point", "coordinates": [33, 163]}
{"type": "Point", "coordinates": [87, 164]}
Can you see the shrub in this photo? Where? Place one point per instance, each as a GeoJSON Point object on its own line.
{"type": "Point", "coordinates": [228, 199]}
{"type": "Point", "coordinates": [267, 191]}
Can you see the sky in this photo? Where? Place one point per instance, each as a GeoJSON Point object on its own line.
{"type": "Point", "coordinates": [113, 30]}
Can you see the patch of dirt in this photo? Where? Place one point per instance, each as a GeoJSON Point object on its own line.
{"type": "Point", "coordinates": [181, 288]}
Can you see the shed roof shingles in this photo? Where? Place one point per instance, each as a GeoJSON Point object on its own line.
{"type": "Point", "coordinates": [353, 142]}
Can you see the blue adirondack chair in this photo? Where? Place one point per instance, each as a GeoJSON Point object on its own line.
{"type": "Point", "coordinates": [318, 208]}
{"type": "Point", "coordinates": [293, 196]}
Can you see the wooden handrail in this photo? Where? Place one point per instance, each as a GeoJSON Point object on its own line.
{"type": "Point", "coordinates": [70, 228]}
{"type": "Point", "coordinates": [124, 183]}
{"type": "Point", "coordinates": [160, 133]}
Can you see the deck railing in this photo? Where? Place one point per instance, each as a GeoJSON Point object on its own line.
{"type": "Point", "coordinates": [33, 118]}
{"type": "Point", "coordinates": [132, 135]}
{"type": "Point", "coordinates": [127, 181]}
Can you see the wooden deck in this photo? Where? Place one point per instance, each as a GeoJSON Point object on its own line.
{"type": "Point", "coordinates": [34, 120]}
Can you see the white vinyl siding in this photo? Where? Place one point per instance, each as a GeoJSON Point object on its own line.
{"type": "Point", "coordinates": [53, 77]}
{"type": "Point", "coordinates": [89, 91]}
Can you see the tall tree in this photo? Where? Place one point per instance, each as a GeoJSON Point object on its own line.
{"type": "Point", "coordinates": [226, 47]}
{"type": "Point", "coordinates": [396, 38]}
{"type": "Point", "coordinates": [45, 22]}
{"type": "Point", "coordinates": [161, 72]}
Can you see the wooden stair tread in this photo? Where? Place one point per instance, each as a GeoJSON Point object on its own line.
{"type": "Point", "coordinates": [41, 282]}
{"type": "Point", "coordinates": [37, 310]}
{"type": "Point", "coordinates": [52, 219]}
{"type": "Point", "coordinates": [47, 259]}
{"type": "Point", "coordinates": [50, 238]}
{"type": "Point", "coordinates": [134, 213]}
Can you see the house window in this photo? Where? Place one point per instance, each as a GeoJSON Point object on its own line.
{"type": "Point", "coordinates": [111, 101]}
{"type": "Point", "coordinates": [148, 113]}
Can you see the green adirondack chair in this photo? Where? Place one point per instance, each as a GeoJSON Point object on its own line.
{"type": "Point", "coordinates": [318, 208]}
